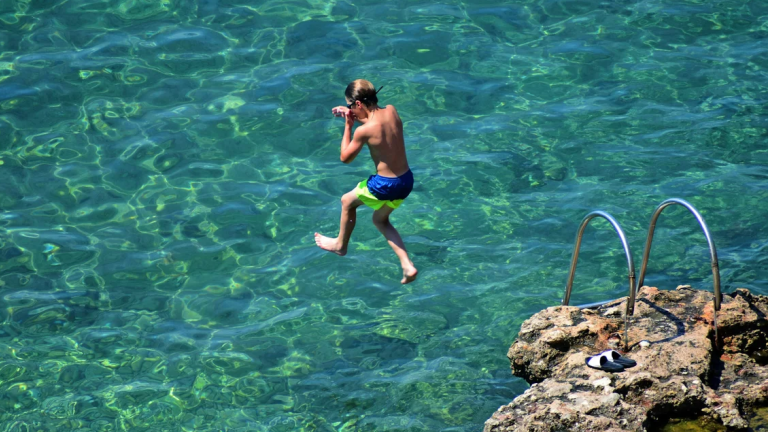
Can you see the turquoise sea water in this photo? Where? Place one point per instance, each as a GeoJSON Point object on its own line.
{"type": "Point", "coordinates": [164, 164]}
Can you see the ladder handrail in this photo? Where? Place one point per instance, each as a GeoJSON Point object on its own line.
{"type": "Point", "coordinates": [633, 288]}
{"type": "Point", "coordinates": [710, 243]}
{"type": "Point", "coordinates": [712, 252]}
{"type": "Point", "coordinates": [630, 309]}
{"type": "Point", "coordinates": [627, 251]}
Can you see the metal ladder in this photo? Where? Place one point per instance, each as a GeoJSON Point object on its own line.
{"type": "Point", "coordinates": [633, 288]}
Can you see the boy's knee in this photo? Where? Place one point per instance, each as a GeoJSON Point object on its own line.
{"type": "Point", "coordinates": [380, 221]}
{"type": "Point", "coordinates": [347, 201]}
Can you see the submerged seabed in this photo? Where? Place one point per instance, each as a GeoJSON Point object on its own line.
{"type": "Point", "coordinates": [164, 165]}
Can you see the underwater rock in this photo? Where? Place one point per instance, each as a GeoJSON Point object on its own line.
{"type": "Point", "coordinates": [681, 371]}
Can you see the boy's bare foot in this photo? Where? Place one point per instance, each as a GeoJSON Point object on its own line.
{"type": "Point", "coordinates": [331, 245]}
{"type": "Point", "coordinates": [409, 274]}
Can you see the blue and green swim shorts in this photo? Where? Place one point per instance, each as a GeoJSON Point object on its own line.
{"type": "Point", "coordinates": [378, 191]}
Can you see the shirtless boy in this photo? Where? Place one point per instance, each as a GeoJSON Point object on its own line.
{"type": "Point", "coordinates": [382, 130]}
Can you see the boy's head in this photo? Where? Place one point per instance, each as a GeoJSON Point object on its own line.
{"type": "Point", "coordinates": [363, 91]}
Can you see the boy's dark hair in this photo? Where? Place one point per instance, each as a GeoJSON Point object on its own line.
{"type": "Point", "coordinates": [363, 91]}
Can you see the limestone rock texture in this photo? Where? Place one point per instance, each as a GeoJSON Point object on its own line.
{"type": "Point", "coordinates": [681, 371]}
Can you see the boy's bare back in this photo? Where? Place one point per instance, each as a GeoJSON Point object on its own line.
{"type": "Point", "coordinates": [384, 134]}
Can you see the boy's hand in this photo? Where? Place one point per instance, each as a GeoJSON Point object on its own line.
{"type": "Point", "coordinates": [350, 117]}
{"type": "Point", "coordinates": [340, 111]}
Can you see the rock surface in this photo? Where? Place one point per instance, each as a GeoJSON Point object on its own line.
{"type": "Point", "coordinates": [680, 370]}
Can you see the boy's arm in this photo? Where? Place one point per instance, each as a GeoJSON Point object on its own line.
{"type": "Point", "coordinates": [351, 146]}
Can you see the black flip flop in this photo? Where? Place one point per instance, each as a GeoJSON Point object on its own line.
{"type": "Point", "coordinates": [602, 362]}
{"type": "Point", "coordinates": [619, 359]}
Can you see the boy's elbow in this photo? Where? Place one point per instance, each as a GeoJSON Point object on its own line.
{"type": "Point", "coordinates": [347, 158]}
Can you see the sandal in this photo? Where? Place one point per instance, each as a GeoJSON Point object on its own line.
{"type": "Point", "coordinates": [602, 362]}
{"type": "Point", "coordinates": [618, 358]}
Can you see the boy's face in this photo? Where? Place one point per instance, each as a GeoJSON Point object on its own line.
{"type": "Point", "coordinates": [353, 105]}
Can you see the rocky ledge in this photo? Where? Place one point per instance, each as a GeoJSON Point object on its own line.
{"type": "Point", "coordinates": [681, 371]}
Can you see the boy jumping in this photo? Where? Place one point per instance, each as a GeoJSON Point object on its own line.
{"type": "Point", "coordinates": [382, 130]}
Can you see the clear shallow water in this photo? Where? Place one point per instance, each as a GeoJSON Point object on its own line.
{"type": "Point", "coordinates": [165, 163]}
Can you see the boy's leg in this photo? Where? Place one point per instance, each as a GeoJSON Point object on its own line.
{"type": "Point", "coordinates": [349, 204]}
{"type": "Point", "coordinates": [381, 220]}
